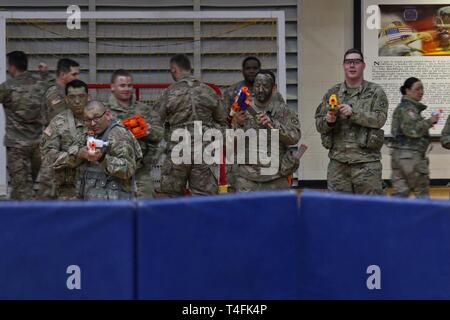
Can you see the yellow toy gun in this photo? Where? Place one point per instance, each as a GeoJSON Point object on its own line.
{"type": "Point", "coordinates": [137, 125]}
{"type": "Point", "coordinates": [333, 102]}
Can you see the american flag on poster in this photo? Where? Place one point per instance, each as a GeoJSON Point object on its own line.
{"type": "Point", "coordinates": [398, 33]}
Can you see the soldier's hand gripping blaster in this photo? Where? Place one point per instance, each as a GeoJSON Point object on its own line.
{"type": "Point", "coordinates": [137, 125]}
{"type": "Point", "coordinates": [93, 143]}
{"type": "Point", "coordinates": [438, 112]}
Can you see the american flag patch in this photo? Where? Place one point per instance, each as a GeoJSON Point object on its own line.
{"type": "Point", "coordinates": [398, 33]}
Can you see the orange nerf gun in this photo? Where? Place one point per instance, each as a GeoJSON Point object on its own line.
{"type": "Point", "coordinates": [137, 125]}
{"type": "Point", "coordinates": [241, 102]}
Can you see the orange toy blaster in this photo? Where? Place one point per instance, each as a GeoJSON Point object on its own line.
{"type": "Point", "coordinates": [137, 125]}
{"type": "Point", "coordinates": [241, 102]}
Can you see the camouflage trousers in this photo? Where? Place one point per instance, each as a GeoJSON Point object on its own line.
{"type": "Point", "coordinates": [245, 185]}
{"type": "Point", "coordinates": [174, 179]}
{"type": "Point", "coordinates": [23, 168]}
{"type": "Point", "coordinates": [144, 183]}
{"type": "Point", "coordinates": [410, 173]}
{"type": "Point", "coordinates": [361, 178]}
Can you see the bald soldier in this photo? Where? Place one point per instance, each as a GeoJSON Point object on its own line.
{"type": "Point", "coordinates": [279, 122]}
{"type": "Point", "coordinates": [108, 172]}
{"type": "Point", "coordinates": [60, 134]}
{"type": "Point", "coordinates": [54, 103]}
{"type": "Point", "coordinates": [123, 104]}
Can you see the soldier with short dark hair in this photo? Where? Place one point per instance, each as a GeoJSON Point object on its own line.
{"type": "Point", "coordinates": [349, 120]}
{"type": "Point", "coordinates": [21, 97]}
{"type": "Point", "coordinates": [60, 134]}
{"type": "Point", "coordinates": [187, 101]}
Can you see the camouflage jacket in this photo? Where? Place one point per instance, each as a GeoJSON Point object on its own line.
{"type": "Point", "coordinates": [189, 100]}
{"type": "Point", "coordinates": [54, 101]}
{"type": "Point", "coordinates": [231, 92]}
{"type": "Point", "coordinates": [22, 101]}
{"type": "Point", "coordinates": [58, 137]}
{"type": "Point", "coordinates": [409, 129]}
{"type": "Point", "coordinates": [149, 143]}
{"type": "Point", "coordinates": [119, 158]}
{"type": "Point", "coordinates": [285, 120]}
{"type": "Point", "coordinates": [358, 138]}
{"type": "Point", "coordinates": [445, 138]}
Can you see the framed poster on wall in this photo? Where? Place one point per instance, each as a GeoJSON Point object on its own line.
{"type": "Point", "coordinates": [402, 39]}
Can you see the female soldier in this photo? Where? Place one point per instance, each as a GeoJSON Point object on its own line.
{"type": "Point", "coordinates": [410, 172]}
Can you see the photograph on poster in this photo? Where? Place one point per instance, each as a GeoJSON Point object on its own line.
{"type": "Point", "coordinates": [412, 39]}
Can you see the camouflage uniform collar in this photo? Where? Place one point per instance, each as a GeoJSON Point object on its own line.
{"type": "Point", "coordinates": [343, 88]}
{"type": "Point", "coordinates": [271, 108]}
{"type": "Point", "coordinates": [187, 78]}
{"type": "Point", "coordinates": [22, 75]}
{"type": "Point", "coordinates": [115, 105]}
{"type": "Point", "coordinates": [419, 105]}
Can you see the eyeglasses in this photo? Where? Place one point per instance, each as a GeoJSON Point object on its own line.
{"type": "Point", "coordinates": [356, 62]}
{"type": "Point", "coordinates": [96, 119]}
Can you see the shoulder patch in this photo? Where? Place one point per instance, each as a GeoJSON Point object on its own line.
{"type": "Point", "coordinates": [412, 114]}
{"type": "Point", "coordinates": [56, 101]}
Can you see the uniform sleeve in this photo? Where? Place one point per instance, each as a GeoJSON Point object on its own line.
{"type": "Point", "coordinates": [445, 138]}
{"type": "Point", "coordinates": [51, 142]}
{"type": "Point", "coordinates": [156, 131]}
{"type": "Point", "coordinates": [411, 125]}
{"type": "Point", "coordinates": [3, 93]}
{"type": "Point", "coordinates": [120, 159]}
{"type": "Point", "coordinates": [289, 127]}
{"type": "Point", "coordinates": [375, 116]}
{"type": "Point", "coordinates": [322, 125]}
{"type": "Point", "coordinates": [54, 102]}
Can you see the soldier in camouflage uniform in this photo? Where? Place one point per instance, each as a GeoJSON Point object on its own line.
{"type": "Point", "coordinates": [21, 97]}
{"type": "Point", "coordinates": [250, 67]}
{"type": "Point", "coordinates": [271, 114]}
{"type": "Point", "coordinates": [123, 104]}
{"type": "Point", "coordinates": [60, 134]}
{"type": "Point", "coordinates": [54, 102]}
{"type": "Point", "coordinates": [445, 138]}
{"type": "Point", "coordinates": [410, 172]}
{"type": "Point", "coordinates": [353, 133]}
{"type": "Point", "coordinates": [109, 173]}
{"type": "Point", "coordinates": [186, 101]}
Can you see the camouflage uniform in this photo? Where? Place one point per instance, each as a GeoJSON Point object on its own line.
{"type": "Point", "coordinates": [148, 144]}
{"type": "Point", "coordinates": [354, 142]}
{"type": "Point", "coordinates": [112, 177]}
{"type": "Point", "coordinates": [445, 138]}
{"type": "Point", "coordinates": [58, 137]}
{"type": "Point", "coordinates": [410, 172]}
{"type": "Point", "coordinates": [22, 101]}
{"type": "Point", "coordinates": [229, 96]}
{"type": "Point", "coordinates": [181, 104]}
{"type": "Point", "coordinates": [54, 103]}
{"type": "Point", "coordinates": [284, 119]}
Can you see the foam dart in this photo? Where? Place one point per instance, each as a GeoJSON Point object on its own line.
{"type": "Point", "coordinates": [333, 102]}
